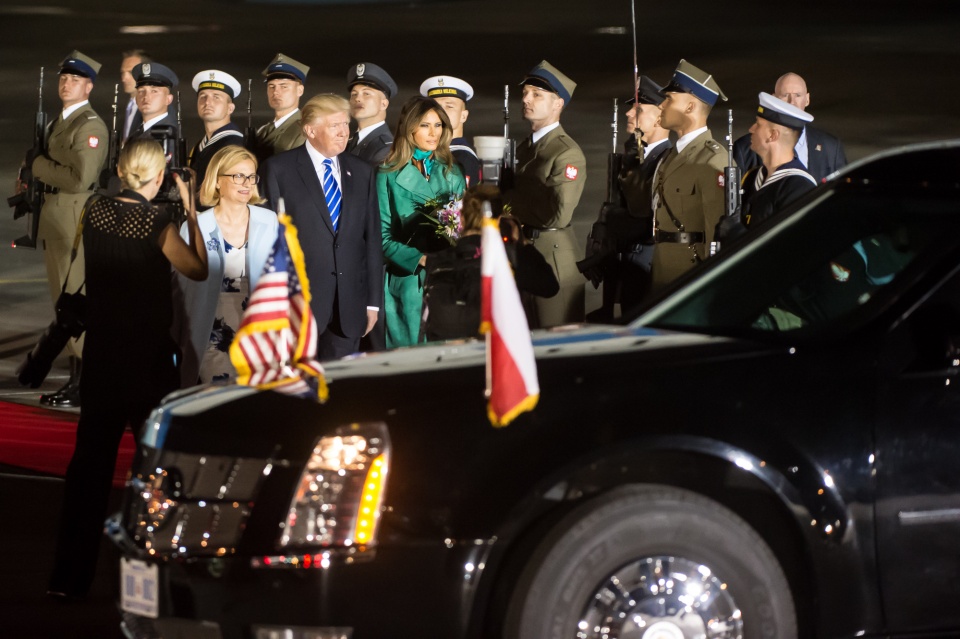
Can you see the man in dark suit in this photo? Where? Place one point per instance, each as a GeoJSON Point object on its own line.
{"type": "Point", "coordinates": [820, 152]}
{"type": "Point", "coordinates": [332, 197]}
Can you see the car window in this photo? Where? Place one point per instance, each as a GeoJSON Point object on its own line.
{"type": "Point", "coordinates": [830, 266]}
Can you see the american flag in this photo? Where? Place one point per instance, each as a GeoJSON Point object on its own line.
{"type": "Point", "coordinates": [276, 344]}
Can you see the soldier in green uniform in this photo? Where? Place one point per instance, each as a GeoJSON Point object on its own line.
{"type": "Point", "coordinates": [285, 78]}
{"type": "Point", "coordinates": [550, 174]}
{"type": "Point", "coordinates": [76, 152]}
{"type": "Point", "coordinates": [688, 196]}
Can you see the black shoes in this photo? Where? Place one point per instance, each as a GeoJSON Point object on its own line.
{"type": "Point", "coordinates": [69, 395]}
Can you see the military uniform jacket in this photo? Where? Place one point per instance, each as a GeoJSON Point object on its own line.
{"type": "Point", "coordinates": [227, 135]}
{"type": "Point", "coordinates": [467, 158]}
{"type": "Point", "coordinates": [277, 139]}
{"type": "Point", "coordinates": [76, 152]}
{"type": "Point", "coordinates": [547, 186]}
{"type": "Point", "coordinates": [374, 148]}
{"type": "Point", "coordinates": [765, 195]}
{"type": "Point", "coordinates": [691, 195]}
{"type": "Point", "coordinates": [825, 154]}
{"type": "Point", "coordinates": [637, 184]}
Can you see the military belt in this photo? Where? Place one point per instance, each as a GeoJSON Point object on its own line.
{"type": "Point", "coordinates": [679, 237]}
{"type": "Point", "coordinates": [533, 232]}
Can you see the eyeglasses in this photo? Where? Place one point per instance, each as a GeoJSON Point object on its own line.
{"type": "Point", "coordinates": [240, 178]}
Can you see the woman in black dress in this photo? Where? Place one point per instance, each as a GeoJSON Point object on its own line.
{"type": "Point", "coordinates": [129, 355]}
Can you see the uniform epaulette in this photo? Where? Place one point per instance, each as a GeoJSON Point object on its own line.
{"type": "Point", "coordinates": [714, 146]}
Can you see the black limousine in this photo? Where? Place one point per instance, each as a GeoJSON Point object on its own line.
{"type": "Point", "coordinates": [770, 449]}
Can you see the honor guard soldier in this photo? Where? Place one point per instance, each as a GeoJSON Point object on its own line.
{"type": "Point", "coordinates": [646, 147]}
{"type": "Point", "coordinates": [129, 61]}
{"type": "Point", "coordinates": [285, 78]}
{"type": "Point", "coordinates": [550, 174]}
{"type": "Point", "coordinates": [452, 94]}
{"type": "Point", "coordinates": [689, 197]}
{"type": "Point", "coordinates": [155, 84]}
{"type": "Point", "coordinates": [820, 153]}
{"type": "Point", "coordinates": [216, 91]}
{"type": "Point", "coordinates": [76, 153]}
{"type": "Point", "coordinates": [781, 178]}
{"type": "Point", "coordinates": [371, 89]}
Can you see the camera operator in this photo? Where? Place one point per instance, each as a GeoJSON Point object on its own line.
{"type": "Point", "coordinates": [451, 303]}
{"type": "Point", "coordinates": [130, 354]}
{"type": "Point", "coordinates": [76, 152]}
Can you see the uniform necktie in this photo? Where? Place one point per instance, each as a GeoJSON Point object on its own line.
{"type": "Point", "coordinates": [331, 193]}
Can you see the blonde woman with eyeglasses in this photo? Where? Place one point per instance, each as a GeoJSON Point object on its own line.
{"type": "Point", "coordinates": [238, 236]}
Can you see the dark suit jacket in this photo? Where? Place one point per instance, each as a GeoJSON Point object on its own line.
{"type": "Point", "coordinates": [346, 268]}
{"type": "Point", "coordinates": [374, 148]}
{"type": "Point", "coordinates": [825, 154]}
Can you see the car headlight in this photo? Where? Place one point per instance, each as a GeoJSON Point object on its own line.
{"type": "Point", "coordinates": [341, 489]}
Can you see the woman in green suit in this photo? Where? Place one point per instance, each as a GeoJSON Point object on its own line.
{"type": "Point", "coordinates": [419, 170]}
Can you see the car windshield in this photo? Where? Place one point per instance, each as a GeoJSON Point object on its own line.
{"type": "Point", "coordinates": [830, 266]}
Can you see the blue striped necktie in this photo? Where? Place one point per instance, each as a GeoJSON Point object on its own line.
{"type": "Point", "coordinates": [331, 193]}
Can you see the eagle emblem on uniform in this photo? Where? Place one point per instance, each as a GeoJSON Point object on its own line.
{"type": "Point", "coordinates": [145, 68]}
{"type": "Point", "coordinates": [360, 69]}
{"type": "Point", "coordinates": [440, 82]}
{"type": "Point", "coordinates": [571, 172]}
{"type": "Point", "coordinates": [213, 75]}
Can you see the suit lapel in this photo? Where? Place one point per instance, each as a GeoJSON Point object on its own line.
{"type": "Point", "coordinates": [815, 162]}
{"type": "Point", "coordinates": [410, 179]}
{"type": "Point", "coordinates": [311, 182]}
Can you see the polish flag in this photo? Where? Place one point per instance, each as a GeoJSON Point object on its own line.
{"type": "Point", "coordinates": [512, 386]}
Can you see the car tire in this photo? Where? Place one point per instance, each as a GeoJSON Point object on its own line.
{"type": "Point", "coordinates": [651, 561]}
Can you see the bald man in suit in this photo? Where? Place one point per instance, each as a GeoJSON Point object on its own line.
{"type": "Point", "coordinates": [817, 150]}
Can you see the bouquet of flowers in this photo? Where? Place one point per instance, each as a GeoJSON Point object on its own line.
{"type": "Point", "coordinates": [445, 218]}
{"type": "Point", "coordinates": [438, 224]}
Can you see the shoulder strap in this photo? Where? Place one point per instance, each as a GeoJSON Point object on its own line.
{"type": "Point", "coordinates": [76, 240]}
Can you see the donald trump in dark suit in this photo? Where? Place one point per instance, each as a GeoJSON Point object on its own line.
{"type": "Point", "coordinates": [332, 198]}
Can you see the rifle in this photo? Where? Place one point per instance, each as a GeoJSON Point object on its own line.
{"type": "Point", "coordinates": [251, 132]}
{"type": "Point", "coordinates": [28, 199]}
{"type": "Point", "coordinates": [610, 225]}
{"type": "Point", "coordinates": [113, 154]}
{"type": "Point", "coordinates": [509, 146]}
{"type": "Point", "coordinates": [181, 160]}
{"type": "Point", "coordinates": [728, 226]}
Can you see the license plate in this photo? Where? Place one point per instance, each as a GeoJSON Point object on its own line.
{"type": "Point", "coordinates": [139, 592]}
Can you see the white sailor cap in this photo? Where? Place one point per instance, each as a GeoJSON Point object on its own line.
{"type": "Point", "coordinates": [219, 80]}
{"type": "Point", "coordinates": [779, 112]}
{"type": "Point", "coordinates": [446, 86]}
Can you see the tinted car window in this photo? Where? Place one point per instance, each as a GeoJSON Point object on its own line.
{"type": "Point", "coordinates": [831, 265]}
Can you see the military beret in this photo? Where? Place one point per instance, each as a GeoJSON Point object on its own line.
{"type": "Point", "coordinates": [440, 86]}
{"type": "Point", "coordinates": [648, 92]}
{"type": "Point", "coordinates": [219, 80]}
{"type": "Point", "coordinates": [284, 66]}
{"type": "Point", "coordinates": [546, 76]}
{"type": "Point", "coordinates": [780, 112]}
{"type": "Point", "coordinates": [371, 75]}
{"type": "Point", "coordinates": [698, 83]}
{"type": "Point", "coordinates": [78, 64]}
{"type": "Point", "coordinates": [154, 74]}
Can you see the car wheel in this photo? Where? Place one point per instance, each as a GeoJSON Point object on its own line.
{"type": "Point", "coordinates": [652, 562]}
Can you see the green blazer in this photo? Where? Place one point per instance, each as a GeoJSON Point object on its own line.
{"type": "Point", "coordinates": [402, 194]}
